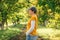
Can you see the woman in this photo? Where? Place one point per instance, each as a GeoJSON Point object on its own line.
{"type": "Point", "coordinates": [31, 33]}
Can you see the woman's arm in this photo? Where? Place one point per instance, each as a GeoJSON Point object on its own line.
{"type": "Point", "coordinates": [31, 28]}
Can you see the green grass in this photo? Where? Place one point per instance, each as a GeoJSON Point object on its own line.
{"type": "Point", "coordinates": [10, 32]}
{"type": "Point", "coordinates": [6, 34]}
{"type": "Point", "coordinates": [45, 33]}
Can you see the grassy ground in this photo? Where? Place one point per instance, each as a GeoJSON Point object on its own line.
{"type": "Point", "coordinates": [49, 33]}
{"type": "Point", "coordinates": [10, 32]}
{"type": "Point", "coordinates": [44, 33]}
{"type": "Point", "coordinates": [6, 34]}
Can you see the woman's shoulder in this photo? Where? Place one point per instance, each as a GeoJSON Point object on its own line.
{"type": "Point", "coordinates": [34, 16]}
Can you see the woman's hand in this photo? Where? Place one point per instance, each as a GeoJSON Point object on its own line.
{"type": "Point", "coordinates": [27, 33]}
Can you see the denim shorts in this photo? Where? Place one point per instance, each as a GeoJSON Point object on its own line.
{"type": "Point", "coordinates": [30, 37]}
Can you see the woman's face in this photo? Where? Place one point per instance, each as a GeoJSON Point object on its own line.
{"type": "Point", "coordinates": [30, 12]}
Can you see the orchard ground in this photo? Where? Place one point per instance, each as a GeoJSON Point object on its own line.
{"type": "Point", "coordinates": [16, 31]}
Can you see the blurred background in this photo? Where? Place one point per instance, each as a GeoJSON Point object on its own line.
{"type": "Point", "coordinates": [14, 17]}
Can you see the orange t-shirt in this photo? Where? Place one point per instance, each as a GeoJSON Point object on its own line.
{"type": "Point", "coordinates": [34, 32]}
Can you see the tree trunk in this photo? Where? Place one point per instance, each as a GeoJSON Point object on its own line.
{"type": "Point", "coordinates": [6, 24]}
{"type": "Point", "coordinates": [2, 28]}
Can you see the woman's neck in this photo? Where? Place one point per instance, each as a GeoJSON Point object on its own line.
{"type": "Point", "coordinates": [32, 15]}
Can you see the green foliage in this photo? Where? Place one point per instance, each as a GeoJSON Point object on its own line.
{"type": "Point", "coordinates": [47, 9]}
